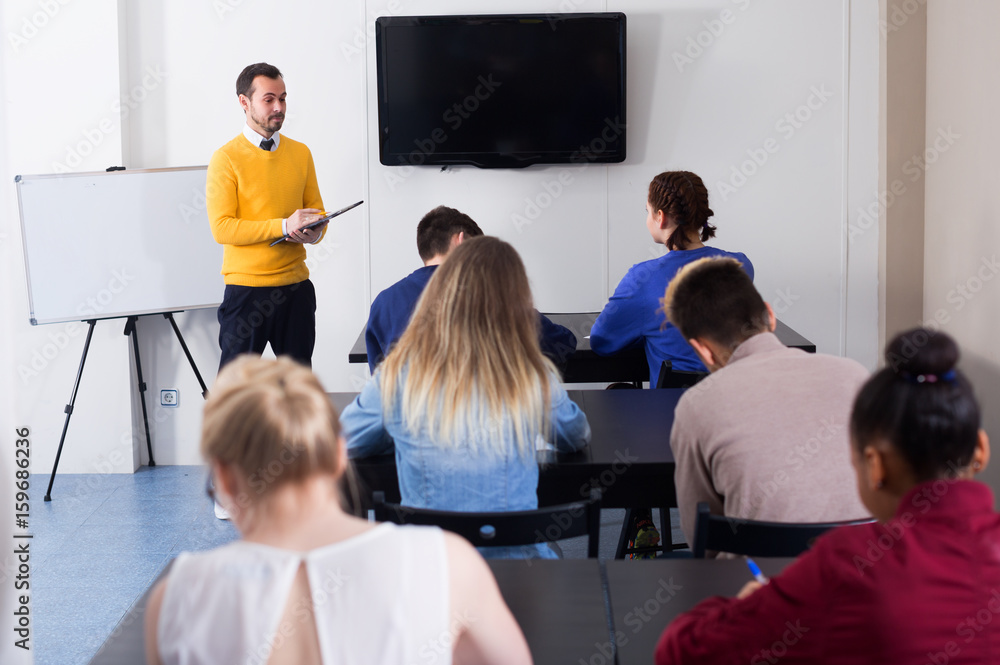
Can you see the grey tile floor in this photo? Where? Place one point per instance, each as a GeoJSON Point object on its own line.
{"type": "Point", "coordinates": [101, 542]}
{"type": "Point", "coordinates": [103, 539]}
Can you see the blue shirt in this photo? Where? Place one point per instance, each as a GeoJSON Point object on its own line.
{"type": "Point", "coordinates": [634, 314]}
{"type": "Point", "coordinates": [462, 478]}
{"type": "Point", "coordinates": [390, 313]}
{"type": "Point", "coordinates": [392, 309]}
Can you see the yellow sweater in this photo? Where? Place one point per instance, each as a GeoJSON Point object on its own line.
{"type": "Point", "coordinates": [249, 191]}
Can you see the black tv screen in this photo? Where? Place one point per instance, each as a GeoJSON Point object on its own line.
{"type": "Point", "coordinates": [501, 90]}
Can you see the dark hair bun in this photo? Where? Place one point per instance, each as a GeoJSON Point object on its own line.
{"type": "Point", "coordinates": [921, 404]}
{"type": "Point", "coordinates": [922, 351]}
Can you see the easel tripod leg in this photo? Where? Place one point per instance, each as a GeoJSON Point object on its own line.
{"type": "Point", "coordinates": [169, 316]}
{"type": "Point", "coordinates": [69, 408]}
{"type": "Point", "coordinates": [130, 329]}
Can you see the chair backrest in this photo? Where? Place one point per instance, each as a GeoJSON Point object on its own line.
{"type": "Point", "coordinates": [507, 529]}
{"type": "Point", "coordinates": [671, 378]}
{"type": "Point", "coordinates": [754, 538]}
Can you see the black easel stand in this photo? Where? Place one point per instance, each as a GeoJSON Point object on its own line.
{"type": "Point", "coordinates": [169, 316]}
{"type": "Point", "coordinates": [130, 330]}
{"type": "Point", "coordinates": [69, 407]}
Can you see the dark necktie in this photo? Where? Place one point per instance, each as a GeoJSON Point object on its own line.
{"type": "Point", "coordinates": [266, 144]}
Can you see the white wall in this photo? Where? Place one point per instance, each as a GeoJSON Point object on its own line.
{"type": "Point", "coordinates": [179, 61]}
{"type": "Point", "coordinates": [962, 242]}
{"type": "Point", "coordinates": [60, 88]}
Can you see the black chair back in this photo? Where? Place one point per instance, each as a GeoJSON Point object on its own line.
{"type": "Point", "coordinates": [507, 529]}
{"type": "Point", "coordinates": [671, 378]}
{"type": "Point", "coordinates": [755, 538]}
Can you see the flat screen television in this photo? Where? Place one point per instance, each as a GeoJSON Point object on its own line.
{"type": "Point", "coordinates": [501, 91]}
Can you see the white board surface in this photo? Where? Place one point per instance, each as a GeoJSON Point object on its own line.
{"type": "Point", "coordinates": [110, 245]}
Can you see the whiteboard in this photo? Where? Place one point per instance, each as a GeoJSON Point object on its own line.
{"type": "Point", "coordinates": [109, 245]}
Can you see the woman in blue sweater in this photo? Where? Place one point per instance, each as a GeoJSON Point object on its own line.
{"type": "Point", "coordinates": [677, 215]}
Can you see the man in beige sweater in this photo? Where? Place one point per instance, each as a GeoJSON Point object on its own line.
{"type": "Point", "coordinates": [765, 436]}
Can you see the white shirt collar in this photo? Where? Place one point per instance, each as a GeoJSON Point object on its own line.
{"type": "Point", "coordinates": [256, 138]}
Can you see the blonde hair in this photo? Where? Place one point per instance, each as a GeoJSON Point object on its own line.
{"type": "Point", "coordinates": [272, 420]}
{"type": "Point", "coordinates": [473, 339]}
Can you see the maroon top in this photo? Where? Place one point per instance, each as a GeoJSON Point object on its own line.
{"type": "Point", "coordinates": [923, 588]}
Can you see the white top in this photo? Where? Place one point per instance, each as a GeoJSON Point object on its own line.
{"type": "Point", "coordinates": [255, 138]}
{"type": "Point", "coordinates": [380, 597]}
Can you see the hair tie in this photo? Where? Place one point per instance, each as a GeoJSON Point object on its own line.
{"type": "Point", "coordinates": [947, 377]}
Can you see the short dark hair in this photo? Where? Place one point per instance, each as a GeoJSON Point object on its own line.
{"type": "Point", "coordinates": [244, 82]}
{"type": "Point", "coordinates": [435, 230]}
{"type": "Point", "coordinates": [921, 404]}
{"type": "Point", "coordinates": [715, 298]}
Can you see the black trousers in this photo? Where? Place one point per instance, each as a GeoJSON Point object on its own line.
{"type": "Point", "coordinates": [252, 316]}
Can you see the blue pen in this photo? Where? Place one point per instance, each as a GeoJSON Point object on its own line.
{"type": "Point", "coordinates": [755, 570]}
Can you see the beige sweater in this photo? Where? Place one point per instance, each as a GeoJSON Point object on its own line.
{"type": "Point", "coordinates": [766, 437]}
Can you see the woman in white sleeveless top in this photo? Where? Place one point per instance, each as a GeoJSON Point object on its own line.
{"type": "Point", "coordinates": [309, 583]}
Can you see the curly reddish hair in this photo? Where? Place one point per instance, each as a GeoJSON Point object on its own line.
{"type": "Point", "coordinates": [683, 196]}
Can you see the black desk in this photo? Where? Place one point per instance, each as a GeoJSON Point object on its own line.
{"type": "Point", "coordinates": [562, 606]}
{"type": "Point", "coordinates": [629, 455]}
{"type": "Point", "coordinates": [647, 595]}
{"type": "Point", "coordinates": [585, 366]}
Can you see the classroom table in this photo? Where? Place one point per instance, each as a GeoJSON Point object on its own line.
{"type": "Point", "coordinates": [629, 455]}
{"type": "Point", "coordinates": [570, 610]}
{"type": "Point", "coordinates": [644, 598]}
{"type": "Point", "coordinates": [561, 606]}
{"type": "Point", "coordinates": [585, 366]}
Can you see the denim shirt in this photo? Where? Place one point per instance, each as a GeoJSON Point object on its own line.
{"type": "Point", "coordinates": [462, 478]}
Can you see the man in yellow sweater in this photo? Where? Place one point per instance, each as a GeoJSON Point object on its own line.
{"type": "Point", "coordinates": [260, 187]}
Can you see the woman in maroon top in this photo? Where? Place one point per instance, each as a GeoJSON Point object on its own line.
{"type": "Point", "coordinates": [922, 585]}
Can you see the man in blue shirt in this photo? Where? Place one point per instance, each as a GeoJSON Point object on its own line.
{"type": "Point", "coordinates": [440, 231]}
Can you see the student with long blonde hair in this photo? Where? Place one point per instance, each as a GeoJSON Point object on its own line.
{"type": "Point", "coordinates": [466, 394]}
{"type": "Point", "coordinates": [308, 583]}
